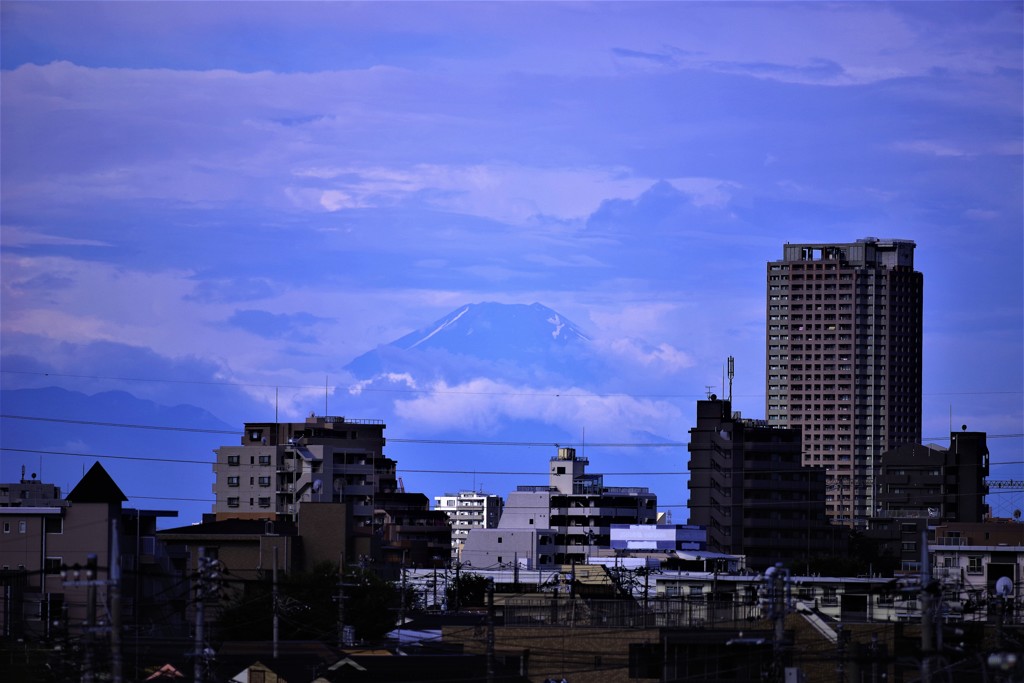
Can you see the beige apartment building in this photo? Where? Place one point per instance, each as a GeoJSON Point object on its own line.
{"type": "Point", "coordinates": [843, 350]}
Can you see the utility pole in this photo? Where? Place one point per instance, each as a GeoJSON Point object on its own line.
{"type": "Point", "coordinates": [927, 613]}
{"type": "Point", "coordinates": [89, 674]}
{"type": "Point", "coordinates": [458, 565]}
{"type": "Point", "coordinates": [273, 601]}
{"type": "Point", "coordinates": [115, 600]}
{"type": "Point", "coordinates": [490, 630]}
{"type": "Point", "coordinates": [200, 615]}
{"type": "Point", "coordinates": [341, 600]}
{"type": "Point", "coordinates": [401, 604]}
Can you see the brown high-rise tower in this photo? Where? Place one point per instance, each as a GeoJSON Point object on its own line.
{"type": "Point", "coordinates": [844, 338]}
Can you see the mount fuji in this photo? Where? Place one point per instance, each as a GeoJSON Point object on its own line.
{"type": "Point", "coordinates": [512, 342]}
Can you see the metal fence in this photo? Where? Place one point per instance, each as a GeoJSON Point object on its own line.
{"type": "Point", "coordinates": [652, 613]}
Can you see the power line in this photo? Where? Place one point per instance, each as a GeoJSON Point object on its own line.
{"type": "Point", "coordinates": [446, 442]}
{"type": "Point", "coordinates": [431, 390]}
{"type": "Point", "coordinates": [186, 461]}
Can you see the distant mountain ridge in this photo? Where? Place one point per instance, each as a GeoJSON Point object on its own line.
{"type": "Point", "coordinates": [150, 450]}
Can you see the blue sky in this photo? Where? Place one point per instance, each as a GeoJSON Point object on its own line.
{"type": "Point", "coordinates": [255, 193]}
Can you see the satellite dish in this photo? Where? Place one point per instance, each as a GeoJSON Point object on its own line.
{"type": "Point", "coordinates": [1004, 587]}
{"type": "Point", "coordinates": [317, 485]}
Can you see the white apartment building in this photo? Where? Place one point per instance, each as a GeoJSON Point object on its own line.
{"type": "Point", "coordinates": [561, 523]}
{"type": "Point", "coordinates": [469, 510]}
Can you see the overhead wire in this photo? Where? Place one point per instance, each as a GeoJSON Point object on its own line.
{"type": "Point", "coordinates": [429, 390]}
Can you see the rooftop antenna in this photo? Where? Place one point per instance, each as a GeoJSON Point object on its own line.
{"type": "Point", "coordinates": [732, 373]}
{"type": "Point", "coordinates": [276, 390]}
{"type": "Point", "coordinates": [707, 390]}
{"type": "Point", "coordinates": [326, 412]}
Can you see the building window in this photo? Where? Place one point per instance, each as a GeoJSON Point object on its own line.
{"type": "Point", "coordinates": [22, 526]}
{"type": "Point", "coordinates": [974, 564]}
{"type": "Point", "coordinates": [264, 459]}
{"type": "Point", "coordinates": [233, 502]}
{"type": "Point", "coordinates": [54, 525]}
{"type": "Point", "coordinates": [233, 460]}
{"type": "Point", "coordinates": [264, 481]}
{"type": "Point", "coordinates": [232, 481]}
{"type": "Point", "coordinates": [52, 565]}
{"type": "Point", "coordinates": [7, 527]}
{"type": "Point", "coordinates": [264, 502]}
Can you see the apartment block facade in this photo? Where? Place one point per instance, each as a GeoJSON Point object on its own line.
{"type": "Point", "coordinates": [278, 466]}
{"type": "Point", "coordinates": [844, 360]}
{"type": "Point", "coordinates": [750, 490]}
{"type": "Point", "coordinates": [562, 523]}
{"type": "Point", "coordinates": [43, 539]}
{"type": "Point", "coordinates": [935, 483]}
{"type": "Point", "coordinates": [468, 510]}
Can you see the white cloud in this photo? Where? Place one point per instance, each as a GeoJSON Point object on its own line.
{"type": "Point", "coordinates": [403, 379]}
{"type": "Point", "coordinates": [663, 356]}
{"type": "Point", "coordinates": [483, 404]}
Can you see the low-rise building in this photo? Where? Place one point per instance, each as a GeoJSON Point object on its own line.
{"type": "Point", "coordinates": [935, 483]}
{"type": "Point", "coordinates": [42, 545]}
{"type": "Point", "coordinates": [561, 523]}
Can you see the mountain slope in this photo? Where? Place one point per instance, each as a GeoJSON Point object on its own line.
{"type": "Point", "coordinates": [517, 342]}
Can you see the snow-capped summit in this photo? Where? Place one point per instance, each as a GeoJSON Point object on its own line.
{"type": "Point", "coordinates": [516, 336]}
{"type": "Point", "coordinates": [489, 327]}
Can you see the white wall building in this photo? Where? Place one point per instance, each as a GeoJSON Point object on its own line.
{"type": "Point", "coordinates": [570, 519]}
{"type": "Point", "coordinates": [469, 510]}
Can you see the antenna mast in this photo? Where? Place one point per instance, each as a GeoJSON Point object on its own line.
{"type": "Point", "coordinates": [732, 373]}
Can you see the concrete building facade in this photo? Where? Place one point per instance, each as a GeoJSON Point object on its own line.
{"type": "Point", "coordinates": [39, 542]}
{"type": "Point", "coordinates": [751, 492]}
{"type": "Point", "coordinates": [468, 510]}
{"type": "Point", "coordinates": [567, 520]}
{"type": "Point", "coordinates": [935, 483]}
{"type": "Point", "coordinates": [281, 466]}
{"type": "Point", "coordinates": [844, 359]}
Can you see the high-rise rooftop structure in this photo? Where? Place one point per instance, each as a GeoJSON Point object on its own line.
{"type": "Point", "coordinates": [844, 338]}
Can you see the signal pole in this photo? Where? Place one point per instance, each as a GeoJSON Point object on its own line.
{"type": "Point", "coordinates": [200, 615]}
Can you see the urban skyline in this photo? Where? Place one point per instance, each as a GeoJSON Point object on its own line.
{"type": "Point", "coordinates": [223, 204]}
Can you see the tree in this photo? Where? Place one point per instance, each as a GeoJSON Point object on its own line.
{"type": "Point", "coordinates": [371, 604]}
{"type": "Point", "coordinates": [307, 607]}
{"type": "Point", "coordinates": [469, 590]}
